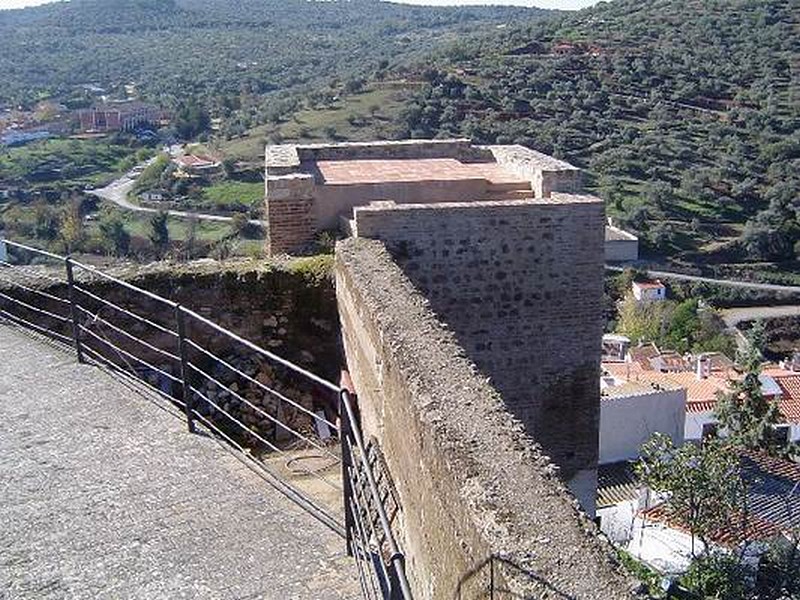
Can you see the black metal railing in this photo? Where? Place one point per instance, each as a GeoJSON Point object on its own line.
{"type": "Point", "coordinates": [261, 404]}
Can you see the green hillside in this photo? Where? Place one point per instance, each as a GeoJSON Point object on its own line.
{"type": "Point", "coordinates": [222, 51]}
{"type": "Point", "coordinates": [686, 114]}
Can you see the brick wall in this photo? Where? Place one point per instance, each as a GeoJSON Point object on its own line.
{"type": "Point", "coordinates": [470, 482]}
{"type": "Point", "coordinates": [521, 285]}
{"type": "Point", "coordinates": [288, 212]}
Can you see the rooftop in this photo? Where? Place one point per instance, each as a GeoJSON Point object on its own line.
{"type": "Point", "coordinates": [616, 483]}
{"type": "Point", "coordinates": [362, 171]}
{"type": "Point", "coordinates": [772, 500]}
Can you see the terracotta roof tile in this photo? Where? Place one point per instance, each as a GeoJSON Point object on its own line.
{"type": "Point", "coordinates": [772, 499]}
{"type": "Point", "coordinates": [616, 483]}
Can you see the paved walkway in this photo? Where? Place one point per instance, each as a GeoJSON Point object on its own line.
{"type": "Point", "coordinates": [103, 494]}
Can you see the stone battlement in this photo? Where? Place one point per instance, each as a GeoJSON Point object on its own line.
{"type": "Point", "coordinates": [470, 479]}
{"type": "Point", "coordinates": [310, 188]}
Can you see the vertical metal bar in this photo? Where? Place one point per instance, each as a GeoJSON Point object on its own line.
{"type": "Point", "coordinates": [491, 577]}
{"type": "Point", "coordinates": [186, 393]}
{"type": "Point", "coordinates": [396, 559]}
{"type": "Point", "coordinates": [345, 436]}
{"type": "Point", "coordinates": [73, 309]}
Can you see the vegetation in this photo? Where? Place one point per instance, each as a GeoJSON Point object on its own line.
{"type": "Point", "coordinates": [153, 174]}
{"type": "Point", "coordinates": [680, 326]}
{"type": "Point", "coordinates": [682, 112]}
{"type": "Point", "coordinates": [220, 56]}
{"type": "Point", "coordinates": [706, 491]}
{"type": "Point", "coordinates": [231, 193]}
{"type": "Point", "coordinates": [746, 416]}
{"type": "Point", "coordinates": [53, 166]}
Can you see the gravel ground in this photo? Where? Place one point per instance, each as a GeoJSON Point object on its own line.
{"type": "Point", "coordinates": [103, 494]}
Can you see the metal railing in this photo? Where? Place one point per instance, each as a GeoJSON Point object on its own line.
{"type": "Point", "coordinates": [253, 399]}
{"type": "Point", "coordinates": [488, 580]}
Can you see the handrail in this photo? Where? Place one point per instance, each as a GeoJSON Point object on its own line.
{"type": "Point", "coordinates": [396, 558]}
{"type": "Point", "coordinates": [366, 519]}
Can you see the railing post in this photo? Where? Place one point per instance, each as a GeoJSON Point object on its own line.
{"type": "Point", "coordinates": [345, 437]}
{"type": "Point", "coordinates": [73, 309]}
{"type": "Point", "coordinates": [491, 577]}
{"type": "Point", "coordinates": [186, 393]}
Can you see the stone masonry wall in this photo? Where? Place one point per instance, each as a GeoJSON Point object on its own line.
{"type": "Point", "coordinates": [288, 308]}
{"type": "Point", "coordinates": [520, 284]}
{"type": "Point", "coordinates": [289, 212]}
{"type": "Point", "coordinates": [470, 482]}
{"type": "Point", "coordinates": [298, 204]}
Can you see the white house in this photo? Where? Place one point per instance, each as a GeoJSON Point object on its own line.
{"type": "Point", "coordinates": [630, 412]}
{"type": "Point", "coordinates": [620, 245]}
{"type": "Point", "coordinates": [645, 291]}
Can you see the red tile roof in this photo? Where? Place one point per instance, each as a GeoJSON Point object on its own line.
{"type": "Point", "coordinates": [772, 500]}
{"type": "Point", "coordinates": [735, 532]}
{"type": "Point", "coordinates": [649, 285]}
{"type": "Point", "coordinates": [790, 402]}
{"type": "Point", "coordinates": [195, 160]}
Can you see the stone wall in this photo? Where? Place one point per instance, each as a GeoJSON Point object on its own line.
{"type": "Point", "coordinates": [288, 216]}
{"type": "Point", "coordinates": [547, 174]}
{"type": "Point", "coordinates": [521, 285]}
{"type": "Point", "coordinates": [299, 203]}
{"type": "Point", "coordinates": [287, 308]}
{"type": "Point", "coordinates": [332, 201]}
{"type": "Point", "coordinates": [470, 482]}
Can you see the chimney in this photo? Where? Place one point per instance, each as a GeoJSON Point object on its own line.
{"type": "Point", "coordinates": [703, 367]}
{"type": "Point", "coordinates": [795, 364]}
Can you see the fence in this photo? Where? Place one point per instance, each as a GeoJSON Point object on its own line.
{"type": "Point", "coordinates": [259, 403]}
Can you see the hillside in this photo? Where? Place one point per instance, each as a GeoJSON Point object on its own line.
{"type": "Point", "coordinates": [218, 50]}
{"type": "Point", "coordinates": [686, 114]}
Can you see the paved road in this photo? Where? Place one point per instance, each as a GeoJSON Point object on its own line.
{"type": "Point", "coordinates": [768, 287]}
{"type": "Point", "coordinates": [734, 316]}
{"type": "Point", "coordinates": [103, 494]}
{"type": "Point", "coordinates": [117, 192]}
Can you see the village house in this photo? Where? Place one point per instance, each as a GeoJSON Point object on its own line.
{"type": "Point", "coordinates": [705, 377]}
{"type": "Point", "coordinates": [660, 539]}
{"type": "Point", "coordinates": [197, 165]}
{"type": "Point", "coordinates": [648, 393]}
{"type": "Point", "coordinates": [649, 291]}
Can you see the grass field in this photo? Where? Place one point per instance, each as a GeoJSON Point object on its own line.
{"type": "Point", "coordinates": [368, 115]}
{"type": "Point", "coordinates": [66, 163]}
{"type": "Point", "coordinates": [234, 193]}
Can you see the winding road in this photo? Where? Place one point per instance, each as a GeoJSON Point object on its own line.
{"type": "Point", "coordinates": [117, 192]}
{"type": "Point", "coordinates": [767, 287]}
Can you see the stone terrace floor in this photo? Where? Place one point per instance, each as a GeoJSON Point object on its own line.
{"type": "Point", "coordinates": [361, 171]}
{"type": "Point", "coordinates": [103, 494]}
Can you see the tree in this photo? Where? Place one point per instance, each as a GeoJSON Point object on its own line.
{"type": "Point", "coordinates": [113, 234]}
{"type": "Point", "coordinates": [191, 120]}
{"type": "Point", "coordinates": [190, 242]}
{"type": "Point", "coordinates": [71, 231]}
{"type": "Point", "coordinates": [239, 224]}
{"type": "Point", "coordinates": [746, 416]}
{"type": "Point", "coordinates": [659, 194]}
{"type": "Point", "coordinates": [702, 484]}
{"type": "Point", "coordinates": [643, 321]}
{"type": "Point", "coordinates": [47, 222]}
{"type": "Point", "coordinates": [159, 233]}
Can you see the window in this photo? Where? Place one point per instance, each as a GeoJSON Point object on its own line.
{"type": "Point", "coordinates": [710, 430]}
{"type": "Point", "coordinates": [780, 435]}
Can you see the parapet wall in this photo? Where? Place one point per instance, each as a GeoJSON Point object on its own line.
{"type": "Point", "coordinates": [296, 211]}
{"type": "Point", "coordinates": [470, 482]}
{"type": "Point", "coordinates": [520, 283]}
